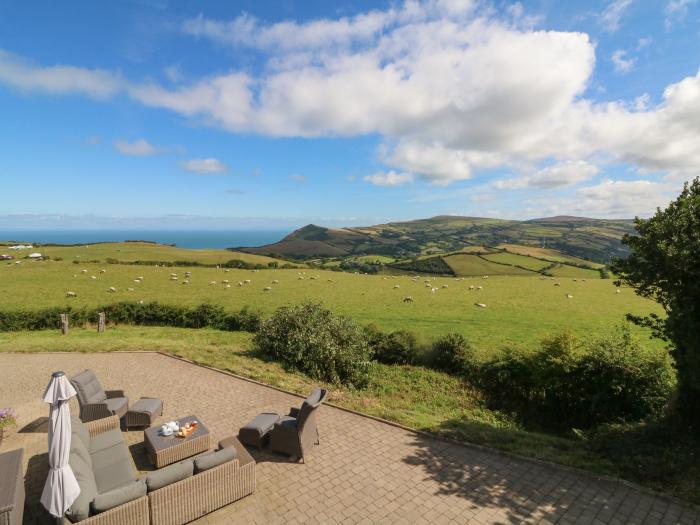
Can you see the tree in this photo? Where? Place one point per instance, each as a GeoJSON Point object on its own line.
{"type": "Point", "coordinates": [664, 265]}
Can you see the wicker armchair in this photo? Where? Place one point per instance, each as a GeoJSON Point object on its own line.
{"type": "Point", "coordinates": [94, 401]}
{"type": "Point", "coordinates": [295, 433]}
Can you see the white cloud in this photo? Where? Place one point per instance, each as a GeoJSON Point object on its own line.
{"type": "Point", "coordinates": [389, 178]}
{"type": "Point", "coordinates": [675, 11]}
{"type": "Point", "coordinates": [59, 79]}
{"type": "Point", "coordinates": [208, 166]}
{"type": "Point", "coordinates": [298, 178]}
{"type": "Point", "coordinates": [622, 63]}
{"type": "Point", "coordinates": [644, 42]}
{"type": "Point", "coordinates": [138, 148]}
{"type": "Point", "coordinates": [556, 176]}
{"type": "Point", "coordinates": [620, 198]}
{"type": "Point", "coordinates": [612, 15]}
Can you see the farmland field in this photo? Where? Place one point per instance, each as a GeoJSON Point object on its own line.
{"type": "Point", "coordinates": [520, 310]}
{"type": "Point", "coordinates": [531, 263]}
{"type": "Point", "coordinates": [466, 264]}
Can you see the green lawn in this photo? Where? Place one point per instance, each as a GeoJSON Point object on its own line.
{"type": "Point", "coordinates": [413, 396]}
{"type": "Point", "coordinates": [520, 310]}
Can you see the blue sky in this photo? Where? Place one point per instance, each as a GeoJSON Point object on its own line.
{"type": "Point", "coordinates": [280, 113]}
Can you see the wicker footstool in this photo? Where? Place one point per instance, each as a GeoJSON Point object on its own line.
{"type": "Point", "coordinates": [143, 413]}
{"type": "Point", "coordinates": [256, 432]}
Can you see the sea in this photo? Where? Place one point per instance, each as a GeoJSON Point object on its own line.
{"type": "Point", "coordinates": [183, 239]}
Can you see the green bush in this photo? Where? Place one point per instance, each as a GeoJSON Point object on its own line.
{"type": "Point", "coordinates": [568, 384]}
{"type": "Point", "coordinates": [144, 314]}
{"type": "Point", "coordinates": [395, 348]}
{"type": "Point", "coordinates": [453, 353]}
{"type": "Point", "coordinates": [311, 339]}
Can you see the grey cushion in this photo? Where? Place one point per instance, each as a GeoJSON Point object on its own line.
{"type": "Point", "coordinates": [147, 405]}
{"type": "Point", "coordinates": [169, 475]}
{"type": "Point", "coordinates": [117, 405]}
{"type": "Point", "coordinates": [88, 387]}
{"type": "Point", "coordinates": [262, 424]}
{"type": "Point", "coordinates": [78, 448]}
{"type": "Point", "coordinates": [288, 421]}
{"type": "Point", "coordinates": [79, 430]}
{"type": "Point", "coordinates": [109, 456]}
{"type": "Point", "coordinates": [214, 459]}
{"type": "Point", "coordinates": [119, 496]}
{"type": "Point", "coordinates": [80, 509]}
{"type": "Point", "coordinates": [314, 397]}
{"type": "Point", "coordinates": [113, 475]}
{"type": "Point", "coordinates": [105, 440]}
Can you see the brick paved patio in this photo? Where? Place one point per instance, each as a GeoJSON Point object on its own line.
{"type": "Point", "coordinates": [364, 471]}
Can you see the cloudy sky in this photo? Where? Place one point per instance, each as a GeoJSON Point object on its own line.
{"type": "Point", "coordinates": [279, 113]}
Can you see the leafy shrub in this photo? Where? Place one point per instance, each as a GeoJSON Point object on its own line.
{"type": "Point", "coordinates": [453, 353]}
{"type": "Point", "coordinates": [310, 338]}
{"type": "Point", "coordinates": [395, 348]}
{"type": "Point", "coordinates": [567, 384]}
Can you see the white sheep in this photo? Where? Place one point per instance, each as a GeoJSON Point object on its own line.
{"type": "Point", "coordinates": [173, 278]}
{"type": "Point", "coordinates": [408, 299]}
{"type": "Point", "coordinates": [173, 275]}
{"type": "Point", "coordinates": [186, 281]}
{"type": "Point", "coordinates": [557, 284]}
{"type": "Point", "coordinates": [103, 271]}
{"type": "Point", "coordinates": [479, 287]}
{"type": "Point", "coordinates": [227, 286]}
{"type": "Point", "coordinates": [71, 294]}
{"type": "Point", "coordinates": [247, 281]}
{"type": "Point", "coordinates": [240, 283]}
{"type": "Point", "coordinates": [445, 286]}
{"type": "Point", "coordinates": [93, 277]}
{"type": "Point", "coordinates": [225, 281]}
{"type": "Point", "coordinates": [569, 296]}
{"type": "Point", "coordinates": [397, 286]}
{"type": "Point", "coordinates": [137, 281]}
{"type": "Point", "coordinates": [112, 289]}
{"type": "Point", "coordinates": [480, 305]}
{"type": "Point", "coordinates": [267, 289]}
{"type": "Point", "coordinates": [83, 271]}
{"type": "Point", "coordinates": [212, 283]}
{"type": "Point", "coordinates": [433, 290]}
{"type": "Point", "coordinates": [617, 291]}
{"type": "Point", "coordinates": [129, 289]}
{"type": "Point", "coordinates": [471, 286]}
{"type": "Point", "coordinates": [226, 271]}
{"type": "Point", "coordinates": [275, 281]}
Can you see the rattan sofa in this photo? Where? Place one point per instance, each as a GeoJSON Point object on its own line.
{"type": "Point", "coordinates": [11, 487]}
{"type": "Point", "coordinates": [179, 502]}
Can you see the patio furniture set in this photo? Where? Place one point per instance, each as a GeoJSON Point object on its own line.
{"type": "Point", "coordinates": [189, 481]}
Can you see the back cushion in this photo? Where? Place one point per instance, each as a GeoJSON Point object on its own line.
{"type": "Point", "coordinates": [169, 475]}
{"type": "Point", "coordinates": [78, 431]}
{"type": "Point", "coordinates": [214, 459]}
{"type": "Point", "coordinates": [314, 397]}
{"type": "Point", "coordinates": [88, 387]}
{"type": "Point", "coordinates": [80, 509]}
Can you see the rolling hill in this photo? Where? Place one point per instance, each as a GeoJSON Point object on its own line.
{"type": "Point", "coordinates": [590, 239]}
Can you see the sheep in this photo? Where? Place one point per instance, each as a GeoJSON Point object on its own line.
{"type": "Point", "coordinates": [433, 290]}
{"type": "Point", "coordinates": [617, 291]}
{"type": "Point", "coordinates": [240, 283]}
{"type": "Point", "coordinates": [173, 278]}
{"type": "Point", "coordinates": [129, 289]}
{"type": "Point", "coordinates": [479, 287]}
{"type": "Point", "coordinates": [275, 281]}
{"type": "Point", "coordinates": [428, 285]}
{"type": "Point", "coordinates": [383, 278]}
{"type": "Point", "coordinates": [140, 278]}
{"type": "Point", "coordinates": [480, 305]}
{"type": "Point", "coordinates": [226, 271]}
{"type": "Point", "coordinates": [397, 286]}
{"type": "Point", "coordinates": [83, 271]}
{"type": "Point", "coordinates": [485, 277]}
{"type": "Point", "coordinates": [93, 277]}
{"type": "Point", "coordinates": [186, 281]}
{"type": "Point", "coordinates": [247, 281]}
{"type": "Point", "coordinates": [574, 280]}
{"type": "Point", "coordinates": [71, 294]}
{"type": "Point", "coordinates": [471, 286]}
{"type": "Point", "coordinates": [256, 271]}
{"type": "Point", "coordinates": [225, 281]}
{"type": "Point", "coordinates": [300, 278]}
{"type": "Point", "coordinates": [137, 281]}
{"type": "Point", "coordinates": [569, 296]}
{"type": "Point", "coordinates": [227, 286]}
{"type": "Point", "coordinates": [445, 286]}
{"type": "Point", "coordinates": [103, 271]}
{"type": "Point", "coordinates": [267, 289]}
{"type": "Point", "coordinates": [557, 284]}
{"type": "Point", "coordinates": [141, 301]}
{"type": "Point", "coordinates": [173, 275]}
{"type": "Point", "coordinates": [112, 289]}
{"type": "Point", "coordinates": [212, 283]}
{"type": "Point", "coordinates": [408, 299]}
{"type": "Point", "coordinates": [314, 277]}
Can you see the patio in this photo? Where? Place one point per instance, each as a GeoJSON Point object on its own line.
{"type": "Point", "coordinates": [364, 471]}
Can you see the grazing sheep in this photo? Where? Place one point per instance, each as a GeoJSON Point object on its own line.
{"type": "Point", "coordinates": [397, 286]}
{"type": "Point", "coordinates": [557, 284]}
{"type": "Point", "coordinates": [300, 278]}
{"type": "Point", "coordinates": [569, 296]}
{"type": "Point", "coordinates": [445, 286]}
{"type": "Point", "coordinates": [433, 290]}
{"type": "Point", "coordinates": [428, 285]}
{"type": "Point", "coordinates": [240, 283]}
{"type": "Point", "coordinates": [471, 286]}
{"type": "Point", "coordinates": [93, 277]}
{"type": "Point", "coordinates": [256, 271]}
{"type": "Point", "coordinates": [314, 277]}
{"type": "Point", "coordinates": [173, 278]}
{"type": "Point", "coordinates": [186, 281]}
{"type": "Point", "coordinates": [479, 287]}
{"type": "Point", "coordinates": [103, 271]}
{"type": "Point", "coordinates": [247, 281]}
{"type": "Point", "coordinates": [574, 280]}
{"type": "Point", "coordinates": [383, 278]}
{"type": "Point", "coordinates": [83, 271]}
{"type": "Point", "coordinates": [617, 291]}
{"type": "Point", "coordinates": [226, 271]}
{"type": "Point", "coordinates": [227, 286]}
{"type": "Point", "coordinates": [137, 281]}
{"type": "Point", "coordinates": [275, 281]}
{"type": "Point", "coordinates": [408, 299]}
{"type": "Point", "coordinates": [141, 301]}
{"type": "Point", "coordinates": [173, 275]}
{"type": "Point", "coordinates": [480, 305]}
{"type": "Point", "coordinates": [129, 289]}
{"type": "Point", "coordinates": [485, 277]}
{"type": "Point", "coordinates": [212, 283]}
{"type": "Point", "coordinates": [267, 289]}
{"type": "Point", "coordinates": [71, 294]}
{"type": "Point", "coordinates": [225, 281]}
{"type": "Point", "coordinates": [112, 289]}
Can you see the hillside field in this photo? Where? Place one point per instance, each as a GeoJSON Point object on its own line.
{"type": "Point", "coordinates": [519, 310]}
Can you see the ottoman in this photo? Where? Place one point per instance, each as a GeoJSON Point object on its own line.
{"type": "Point", "coordinates": [143, 413]}
{"type": "Point", "coordinates": [257, 431]}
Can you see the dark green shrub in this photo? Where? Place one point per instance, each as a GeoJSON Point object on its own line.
{"type": "Point", "coordinates": [396, 348]}
{"type": "Point", "coordinates": [568, 384]}
{"type": "Point", "coordinates": [310, 338]}
{"type": "Point", "coordinates": [453, 353]}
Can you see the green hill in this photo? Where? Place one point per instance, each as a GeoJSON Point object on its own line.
{"type": "Point", "coordinates": [590, 239]}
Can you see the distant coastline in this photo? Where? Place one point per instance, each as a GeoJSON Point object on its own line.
{"type": "Point", "coordinates": [197, 239]}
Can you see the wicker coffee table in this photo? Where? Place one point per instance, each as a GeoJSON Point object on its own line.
{"type": "Point", "coordinates": [164, 450]}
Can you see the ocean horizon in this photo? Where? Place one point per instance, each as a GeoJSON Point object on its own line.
{"type": "Point", "coordinates": [199, 239]}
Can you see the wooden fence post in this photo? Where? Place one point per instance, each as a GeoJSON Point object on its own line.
{"type": "Point", "coordinates": [64, 324]}
{"type": "Point", "coordinates": [101, 323]}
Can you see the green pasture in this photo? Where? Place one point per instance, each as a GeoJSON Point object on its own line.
{"type": "Point", "coordinates": [475, 265]}
{"type": "Point", "coordinates": [531, 263]}
{"type": "Point", "coordinates": [519, 310]}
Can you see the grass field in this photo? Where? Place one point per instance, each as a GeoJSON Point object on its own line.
{"type": "Point", "coordinates": [135, 251]}
{"type": "Point", "coordinates": [531, 263]}
{"type": "Point", "coordinates": [475, 265]}
{"type": "Point", "coordinates": [520, 310]}
{"type": "Point", "coordinates": [546, 254]}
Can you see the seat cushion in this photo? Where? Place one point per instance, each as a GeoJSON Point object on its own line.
{"type": "Point", "coordinates": [80, 508]}
{"type": "Point", "coordinates": [88, 387]}
{"type": "Point", "coordinates": [117, 405]}
{"type": "Point", "coordinates": [169, 475]}
{"type": "Point", "coordinates": [119, 496]}
{"type": "Point", "coordinates": [105, 440]}
{"type": "Point", "coordinates": [110, 475]}
{"type": "Point", "coordinates": [78, 448]}
{"type": "Point", "coordinates": [214, 459]}
{"type": "Point", "coordinates": [262, 423]}
{"type": "Point", "coordinates": [147, 405]}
